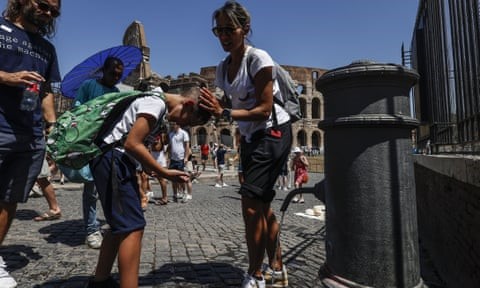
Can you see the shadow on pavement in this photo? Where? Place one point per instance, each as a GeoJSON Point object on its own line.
{"type": "Point", "coordinates": [210, 274]}
{"type": "Point", "coordinates": [68, 232]}
{"type": "Point", "coordinates": [207, 274]}
{"type": "Point", "coordinates": [25, 214]}
{"type": "Point", "coordinates": [309, 239]}
{"type": "Point", "coordinates": [73, 282]}
{"type": "Point", "coordinates": [18, 256]}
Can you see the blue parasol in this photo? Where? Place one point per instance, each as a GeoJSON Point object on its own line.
{"type": "Point", "coordinates": [91, 67]}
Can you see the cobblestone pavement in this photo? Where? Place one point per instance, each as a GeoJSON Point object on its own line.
{"type": "Point", "coordinates": [196, 244]}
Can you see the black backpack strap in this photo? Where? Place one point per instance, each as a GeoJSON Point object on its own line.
{"type": "Point", "coordinates": [114, 115]}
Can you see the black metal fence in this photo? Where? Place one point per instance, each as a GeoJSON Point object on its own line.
{"type": "Point", "coordinates": [445, 50]}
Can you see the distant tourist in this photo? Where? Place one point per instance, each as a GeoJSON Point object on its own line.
{"type": "Point", "coordinates": [299, 166]}
{"type": "Point", "coordinates": [221, 166]}
{"type": "Point", "coordinates": [204, 151]}
{"type": "Point", "coordinates": [159, 152]}
{"type": "Point", "coordinates": [179, 148]}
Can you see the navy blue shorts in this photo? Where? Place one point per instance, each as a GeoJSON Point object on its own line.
{"type": "Point", "coordinates": [21, 159]}
{"type": "Point", "coordinates": [121, 204]}
{"type": "Point", "coordinates": [262, 161]}
{"type": "Point", "coordinates": [177, 165]}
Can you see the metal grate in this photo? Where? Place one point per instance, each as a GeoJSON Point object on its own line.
{"type": "Point", "coordinates": [445, 50]}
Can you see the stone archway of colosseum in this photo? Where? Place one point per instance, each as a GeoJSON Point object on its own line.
{"type": "Point", "coordinates": [200, 136]}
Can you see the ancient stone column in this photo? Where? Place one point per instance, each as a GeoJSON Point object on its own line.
{"type": "Point", "coordinates": [371, 222]}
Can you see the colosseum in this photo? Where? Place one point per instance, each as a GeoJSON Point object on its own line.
{"type": "Point", "coordinates": [305, 131]}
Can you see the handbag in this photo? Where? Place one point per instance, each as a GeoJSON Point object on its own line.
{"type": "Point", "coordinates": [305, 178]}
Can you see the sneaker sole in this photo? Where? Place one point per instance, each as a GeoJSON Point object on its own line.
{"type": "Point", "coordinates": [277, 281]}
{"type": "Point", "coordinates": [276, 285]}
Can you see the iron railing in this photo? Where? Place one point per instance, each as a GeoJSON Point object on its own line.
{"type": "Point", "coordinates": [445, 50]}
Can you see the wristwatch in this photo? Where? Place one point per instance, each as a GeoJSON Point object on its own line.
{"type": "Point", "coordinates": [227, 114]}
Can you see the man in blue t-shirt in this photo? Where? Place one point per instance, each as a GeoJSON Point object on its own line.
{"type": "Point", "coordinates": [112, 71]}
{"type": "Point", "coordinates": [26, 58]}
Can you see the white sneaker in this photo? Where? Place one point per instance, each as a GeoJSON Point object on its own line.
{"type": "Point", "coordinates": [36, 192]}
{"type": "Point", "coordinates": [104, 228]}
{"type": "Point", "coordinates": [251, 282]}
{"type": "Point", "coordinates": [275, 279]}
{"type": "Point", "coordinates": [186, 198]}
{"type": "Point", "coordinates": [285, 189]}
{"type": "Point", "coordinates": [6, 281]}
{"type": "Point", "coordinates": [225, 185]}
{"type": "Point", "coordinates": [94, 240]}
{"type": "Point", "coordinates": [218, 185]}
{"type": "Point", "coordinates": [149, 194]}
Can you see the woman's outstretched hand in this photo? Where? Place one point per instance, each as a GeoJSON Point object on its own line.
{"type": "Point", "coordinates": [209, 102]}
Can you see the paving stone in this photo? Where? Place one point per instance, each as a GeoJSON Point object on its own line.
{"type": "Point", "coordinates": [197, 244]}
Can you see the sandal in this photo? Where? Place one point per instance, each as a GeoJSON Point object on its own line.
{"type": "Point", "coordinates": [48, 216]}
{"type": "Point", "coordinates": [160, 202]}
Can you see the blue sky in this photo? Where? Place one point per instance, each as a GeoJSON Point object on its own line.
{"type": "Point", "coordinates": [313, 33]}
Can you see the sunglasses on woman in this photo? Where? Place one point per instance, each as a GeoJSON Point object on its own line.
{"type": "Point", "coordinates": [223, 30]}
{"type": "Point", "coordinates": [45, 7]}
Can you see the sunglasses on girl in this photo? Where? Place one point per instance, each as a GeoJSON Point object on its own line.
{"type": "Point", "coordinates": [223, 30]}
{"type": "Point", "coordinates": [45, 7]}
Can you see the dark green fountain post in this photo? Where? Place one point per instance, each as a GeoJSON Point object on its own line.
{"type": "Point", "coordinates": [371, 218]}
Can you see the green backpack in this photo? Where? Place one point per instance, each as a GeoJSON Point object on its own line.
{"type": "Point", "coordinates": [75, 138]}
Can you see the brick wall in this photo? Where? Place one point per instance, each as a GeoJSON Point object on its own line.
{"type": "Point", "coordinates": [448, 208]}
{"type": "Point", "coordinates": [315, 164]}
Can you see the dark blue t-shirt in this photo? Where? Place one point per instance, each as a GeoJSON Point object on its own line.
{"type": "Point", "coordinates": [221, 156]}
{"type": "Point", "coordinates": [23, 51]}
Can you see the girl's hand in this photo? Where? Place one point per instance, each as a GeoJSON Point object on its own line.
{"type": "Point", "coordinates": [209, 102]}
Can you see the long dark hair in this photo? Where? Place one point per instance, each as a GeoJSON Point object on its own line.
{"type": "Point", "coordinates": [15, 9]}
{"type": "Point", "coordinates": [235, 12]}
